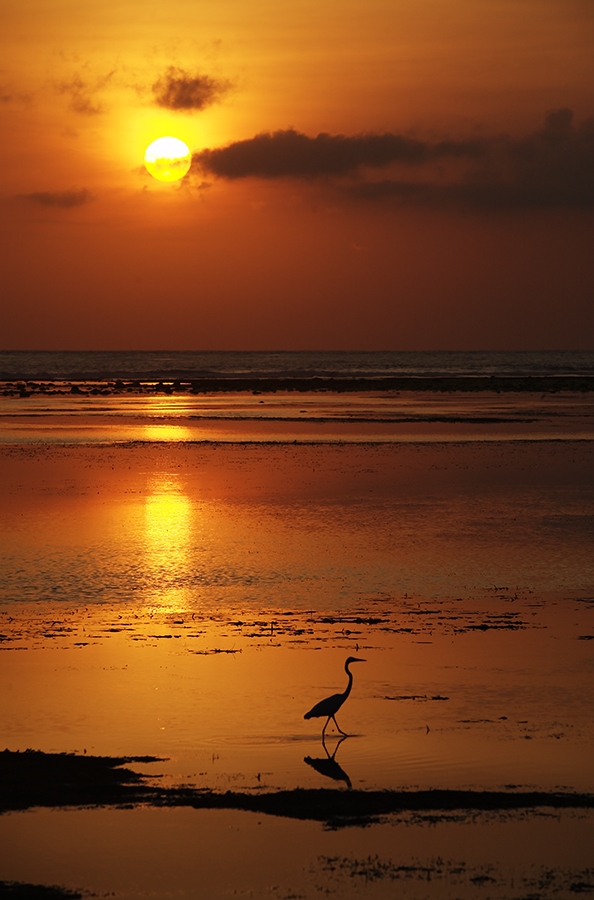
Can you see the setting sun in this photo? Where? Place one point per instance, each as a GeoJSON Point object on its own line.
{"type": "Point", "coordinates": [167, 159]}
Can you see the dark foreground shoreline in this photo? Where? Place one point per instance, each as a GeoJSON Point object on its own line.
{"type": "Point", "coordinates": [63, 780]}
{"type": "Point", "coordinates": [16, 890]}
{"type": "Point", "coordinates": [37, 779]}
{"type": "Point", "coordinates": [543, 384]}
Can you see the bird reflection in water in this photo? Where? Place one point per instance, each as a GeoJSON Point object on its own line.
{"type": "Point", "coordinates": [327, 765]}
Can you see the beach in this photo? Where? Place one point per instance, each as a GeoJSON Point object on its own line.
{"type": "Point", "coordinates": [181, 583]}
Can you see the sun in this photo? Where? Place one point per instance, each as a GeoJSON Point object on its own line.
{"type": "Point", "coordinates": [167, 159]}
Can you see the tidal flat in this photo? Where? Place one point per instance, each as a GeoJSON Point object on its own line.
{"type": "Point", "coordinates": [188, 602]}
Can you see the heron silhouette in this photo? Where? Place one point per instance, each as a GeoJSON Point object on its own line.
{"type": "Point", "coordinates": [330, 706]}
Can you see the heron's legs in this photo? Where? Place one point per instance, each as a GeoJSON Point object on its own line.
{"type": "Point", "coordinates": [338, 728]}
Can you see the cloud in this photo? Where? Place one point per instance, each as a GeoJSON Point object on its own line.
{"type": "Point", "coordinates": [82, 92]}
{"type": "Point", "coordinates": [178, 90]}
{"type": "Point", "coordinates": [290, 154]}
{"type": "Point", "coordinates": [551, 167]}
{"type": "Point", "coordinates": [63, 199]}
{"type": "Point", "coordinates": [555, 165]}
{"type": "Point", "coordinates": [9, 95]}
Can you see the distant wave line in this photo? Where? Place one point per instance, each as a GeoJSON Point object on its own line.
{"type": "Point", "coordinates": [223, 365]}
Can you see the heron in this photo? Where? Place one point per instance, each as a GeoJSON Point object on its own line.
{"type": "Point", "coordinates": [330, 705]}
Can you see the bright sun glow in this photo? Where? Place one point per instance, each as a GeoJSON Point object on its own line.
{"type": "Point", "coordinates": [167, 159]}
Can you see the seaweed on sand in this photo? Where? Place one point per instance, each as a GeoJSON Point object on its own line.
{"type": "Point", "coordinates": [34, 778]}
{"type": "Point", "coordinates": [46, 779]}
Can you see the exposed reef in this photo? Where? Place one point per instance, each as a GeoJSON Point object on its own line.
{"type": "Point", "coordinates": [212, 385]}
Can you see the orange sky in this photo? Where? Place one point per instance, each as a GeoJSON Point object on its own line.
{"type": "Point", "coordinates": [448, 202]}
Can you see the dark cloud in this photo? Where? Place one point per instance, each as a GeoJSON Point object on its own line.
{"type": "Point", "coordinates": [290, 154]}
{"type": "Point", "coordinates": [555, 165]}
{"type": "Point", "coordinates": [63, 199]}
{"type": "Point", "coordinates": [179, 90]}
{"type": "Point", "coordinates": [552, 167]}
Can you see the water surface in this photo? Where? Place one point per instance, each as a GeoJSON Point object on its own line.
{"type": "Point", "coordinates": [179, 578]}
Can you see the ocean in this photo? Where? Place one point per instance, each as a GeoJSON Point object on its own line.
{"type": "Point", "coordinates": [144, 365]}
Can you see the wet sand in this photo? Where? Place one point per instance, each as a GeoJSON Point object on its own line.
{"type": "Point", "coordinates": [190, 602]}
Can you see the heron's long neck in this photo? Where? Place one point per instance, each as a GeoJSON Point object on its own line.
{"type": "Point", "coordinates": [350, 684]}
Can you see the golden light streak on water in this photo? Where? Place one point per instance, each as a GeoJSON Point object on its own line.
{"type": "Point", "coordinates": [166, 433]}
{"type": "Point", "coordinates": [168, 527]}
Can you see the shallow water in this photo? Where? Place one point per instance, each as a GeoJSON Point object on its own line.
{"type": "Point", "coordinates": [219, 854]}
{"type": "Point", "coordinates": [464, 572]}
{"type": "Point", "coordinates": [376, 417]}
{"type": "Point", "coordinates": [192, 601]}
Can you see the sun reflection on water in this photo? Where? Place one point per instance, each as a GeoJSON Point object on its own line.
{"type": "Point", "coordinates": [167, 433]}
{"type": "Point", "coordinates": [168, 540]}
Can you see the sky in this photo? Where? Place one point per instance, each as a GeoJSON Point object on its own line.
{"type": "Point", "coordinates": [387, 174]}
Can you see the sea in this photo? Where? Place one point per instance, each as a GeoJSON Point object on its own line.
{"type": "Point", "coordinates": [145, 365]}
